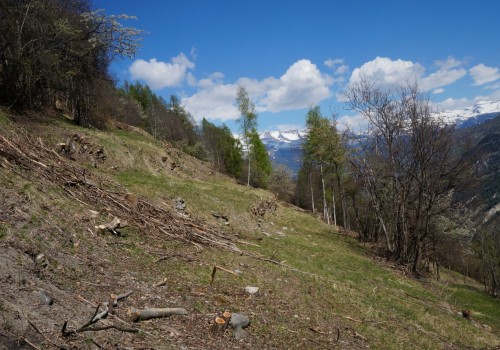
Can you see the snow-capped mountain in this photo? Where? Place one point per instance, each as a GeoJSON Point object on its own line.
{"type": "Point", "coordinates": [476, 114]}
{"type": "Point", "coordinates": [286, 138]}
{"type": "Point", "coordinates": [285, 146]}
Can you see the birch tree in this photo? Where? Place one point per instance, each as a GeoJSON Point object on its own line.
{"type": "Point", "coordinates": [248, 123]}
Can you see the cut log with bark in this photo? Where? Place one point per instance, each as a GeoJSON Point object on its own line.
{"type": "Point", "coordinates": [137, 315]}
{"type": "Point", "coordinates": [112, 227]}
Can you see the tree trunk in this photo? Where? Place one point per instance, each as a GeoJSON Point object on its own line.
{"type": "Point", "coordinates": [333, 207]}
{"type": "Point", "coordinates": [416, 261]}
{"type": "Point", "coordinates": [248, 179]}
{"type": "Point", "coordinates": [312, 194]}
{"type": "Point", "coordinates": [325, 205]}
{"type": "Point", "coordinates": [342, 202]}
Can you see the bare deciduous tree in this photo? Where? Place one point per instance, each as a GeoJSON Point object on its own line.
{"type": "Point", "coordinates": [409, 165]}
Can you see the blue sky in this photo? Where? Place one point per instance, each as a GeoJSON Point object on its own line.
{"type": "Point", "coordinates": [293, 54]}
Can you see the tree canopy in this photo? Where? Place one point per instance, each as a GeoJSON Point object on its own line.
{"type": "Point", "coordinates": [59, 51]}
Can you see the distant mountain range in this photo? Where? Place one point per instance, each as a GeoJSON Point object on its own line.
{"type": "Point", "coordinates": [285, 146]}
{"type": "Point", "coordinates": [483, 197]}
{"type": "Point", "coordinates": [474, 115]}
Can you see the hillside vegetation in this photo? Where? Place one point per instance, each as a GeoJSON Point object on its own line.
{"type": "Point", "coordinates": [318, 288]}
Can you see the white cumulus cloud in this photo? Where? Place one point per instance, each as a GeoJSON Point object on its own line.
{"type": "Point", "coordinates": [483, 74]}
{"type": "Point", "coordinates": [387, 73]}
{"type": "Point", "coordinates": [438, 91]}
{"type": "Point", "coordinates": [441, 78]}
{"type": "Point", "coordinates": [158, 74]}
{"type": "Point", "coordinates": [213, 102]}
{"type": "Point", "coordinates": [299, 87]}
{"type": "Point", "coordinates": [392, 73]}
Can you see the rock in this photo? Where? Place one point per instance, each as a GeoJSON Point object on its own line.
{"type": "Point", "coordinates": [41, 260]}
{"type": "Point", "coordinates": [239, 321]}
{"type": "Point", "coordinates": [44, 297]}
{"type": "Point", "coordinates": [180, 204]}
{"type": "Point", "coordinates": [239, 334]}
{"type": "Point", "coordinates": [223, 219]}
{"type": "Point", "coordinates": [251, 290]}
{"type": "Point", "coordinates": [264, 206]}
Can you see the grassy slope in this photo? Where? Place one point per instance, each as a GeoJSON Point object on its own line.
{"type": "Point", "coordinates": [332, 294]}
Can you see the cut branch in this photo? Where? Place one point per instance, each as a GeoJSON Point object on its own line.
{"type": "Point", "coordinates": [161, 283]}
{"type": "Point", "coordinates": [137, 315]}
{"type": "Point", "coordinates": [117, 298]}
{"type": "Point", "coordinates": [214, 270]}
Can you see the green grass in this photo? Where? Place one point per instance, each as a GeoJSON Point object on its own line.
{"type": "Point", "coordinates": [484, 308]}
{"type": "Point", "coordinates": [4, 227]}
{"type": "Point", "coordinates": [4, 120]}
{"type": "Point", "coordinates": [329, 281]}
{"type": "Point", "coordinates": [202, 197]}
{"type": "Point", "coordinates": [335, 279]}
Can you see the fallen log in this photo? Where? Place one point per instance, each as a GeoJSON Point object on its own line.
{"type": "Point", "coordinates": [112, 227]}
{"type": "Point", "coordinates": [137, 315]}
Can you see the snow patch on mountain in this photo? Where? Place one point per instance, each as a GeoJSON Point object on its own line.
{"type": "Point", "coordinates": [476, 114]}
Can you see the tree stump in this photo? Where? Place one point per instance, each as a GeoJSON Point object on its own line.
{"type": "Point", "coordinates": [218, 326]}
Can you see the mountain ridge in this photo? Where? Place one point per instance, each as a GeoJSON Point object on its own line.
{"type": "Point", "coordinates": [284, 146]}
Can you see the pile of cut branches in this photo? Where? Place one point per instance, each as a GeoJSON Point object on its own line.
{"type": "Point", "coordinates": [30, 158]}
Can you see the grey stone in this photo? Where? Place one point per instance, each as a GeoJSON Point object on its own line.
{"type": "Point", "coordinates": [239, 321]}
{"type": "Point", "coordinates": [251, 290]}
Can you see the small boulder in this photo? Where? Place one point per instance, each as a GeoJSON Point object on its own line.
{"type": "Point", "coordinates": [238, 322]}
{"type": "Point", "coordinates": [180, 204]}
{"type": "Point", "coordinates": [251, 290]}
